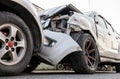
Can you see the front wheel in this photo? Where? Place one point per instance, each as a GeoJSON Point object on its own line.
{"type": "Point", "coordinates": [15, 44]}
{"type": "Point", "coordinates": [86, 61]}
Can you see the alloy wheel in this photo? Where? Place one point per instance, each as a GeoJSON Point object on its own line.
{"type": "Point", "coordinates": [90, 53]}
{"type": "Point", "coordinates": [12, 44]}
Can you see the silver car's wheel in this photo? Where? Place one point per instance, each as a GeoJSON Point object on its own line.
{"type": "Point", "coordinates": [13, 44]}
{"type": "Point", "coordinates": [16, 44]}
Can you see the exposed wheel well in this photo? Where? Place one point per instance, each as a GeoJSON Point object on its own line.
{"type": "Point", "coordinates": [87, 31]}
{"type": "Point", "coordinates": [9, 6]}
{"type": "Point", "coordinates": [66, 58]}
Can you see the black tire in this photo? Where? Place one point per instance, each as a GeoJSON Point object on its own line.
{"type": "Point", "coordinates": [34, 62]}
{"type": "Point", "coordinates": [23, 53]}
{"type": "Point", "coordinates": [85, 62]}
{"type": "Point", "coordinates": [117, 66]}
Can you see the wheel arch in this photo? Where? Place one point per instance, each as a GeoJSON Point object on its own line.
{"type": "Point", "coordinates": [87, 31]}
{"type": "Point", "coordinates": [29, 19]}
{"type": "Point", "coordinates": [66, 57]}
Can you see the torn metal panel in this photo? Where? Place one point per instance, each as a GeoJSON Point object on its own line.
{"type": "Point", "coordinates": [57, 46]}
{"type": "Point", "coordinates": [65, 9]}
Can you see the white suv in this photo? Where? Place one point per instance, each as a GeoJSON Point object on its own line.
{"type": "Point", "coordinates": [85, 40]}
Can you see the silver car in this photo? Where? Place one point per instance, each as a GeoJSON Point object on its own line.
{"type": "Point", "coordinates": [21, 36]}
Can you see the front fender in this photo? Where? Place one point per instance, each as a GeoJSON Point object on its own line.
{"type": "Point", "coordinates": [80, 22]}
{"type": "Point", "coordinates": [62, 45]}
{"type": "Point", "coordinates": [25, 10]}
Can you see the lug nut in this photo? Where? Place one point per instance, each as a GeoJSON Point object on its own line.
{"type": "Point", "coordinates": [7, 48]}
{"type": "Point", "coordinates": [12, 38]}
{"type": "Point", "coordinates": [12, 49]}
{"type": "Point", "coordinates": [6, 40]}
{"type": "Point", "coordinates": [15, 44]}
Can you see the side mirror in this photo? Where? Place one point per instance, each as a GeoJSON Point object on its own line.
{"type": "Point", "coordinates": [96, 22]}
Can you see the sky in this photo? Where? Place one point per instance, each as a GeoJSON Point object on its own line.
{"type": "Point", "coordinates": [109, 9]}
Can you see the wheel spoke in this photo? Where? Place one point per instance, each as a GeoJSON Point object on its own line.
{"type": "Point", "coordinates": [20, 43]}
{"type": "Point", "coordinates": [89, 44]}
{"type": "Point", "coordinates": [91, 58]}
{"type": "Point", "coordinates": [91, 51]}
{"type": "Point", "coordinates": [13, 31]}
{"type": "Point", "coordinates": [3, 51]}
{"type": "Point", "coordinates": [2, 36]}
{"type": "Point", "coordinates": [14, 55]}
{"type": "Point", "coordinates": [86, 59]}
{"type": "Point", "coordinates": [89, 62]}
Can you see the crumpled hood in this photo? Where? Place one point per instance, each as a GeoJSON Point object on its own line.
{"type": "Point", "coordinates": [64, 9]}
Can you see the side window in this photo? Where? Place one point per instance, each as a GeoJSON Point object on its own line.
{"type": "Point", "coordinates": [100, 22]}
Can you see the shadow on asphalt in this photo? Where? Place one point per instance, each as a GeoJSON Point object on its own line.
{"type": "Point", "coordinates": [62, 75]}
{"type": "Point", "coordinates": [67, 72]}
{"type": "Point", "coordinates": [57, 72]}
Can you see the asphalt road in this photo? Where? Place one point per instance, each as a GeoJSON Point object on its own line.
{"type": "Point", "coordinates": [65, 75]}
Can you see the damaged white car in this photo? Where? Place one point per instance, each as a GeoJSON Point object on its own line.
{"type": "Point", "coordinates": [85, 40]}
